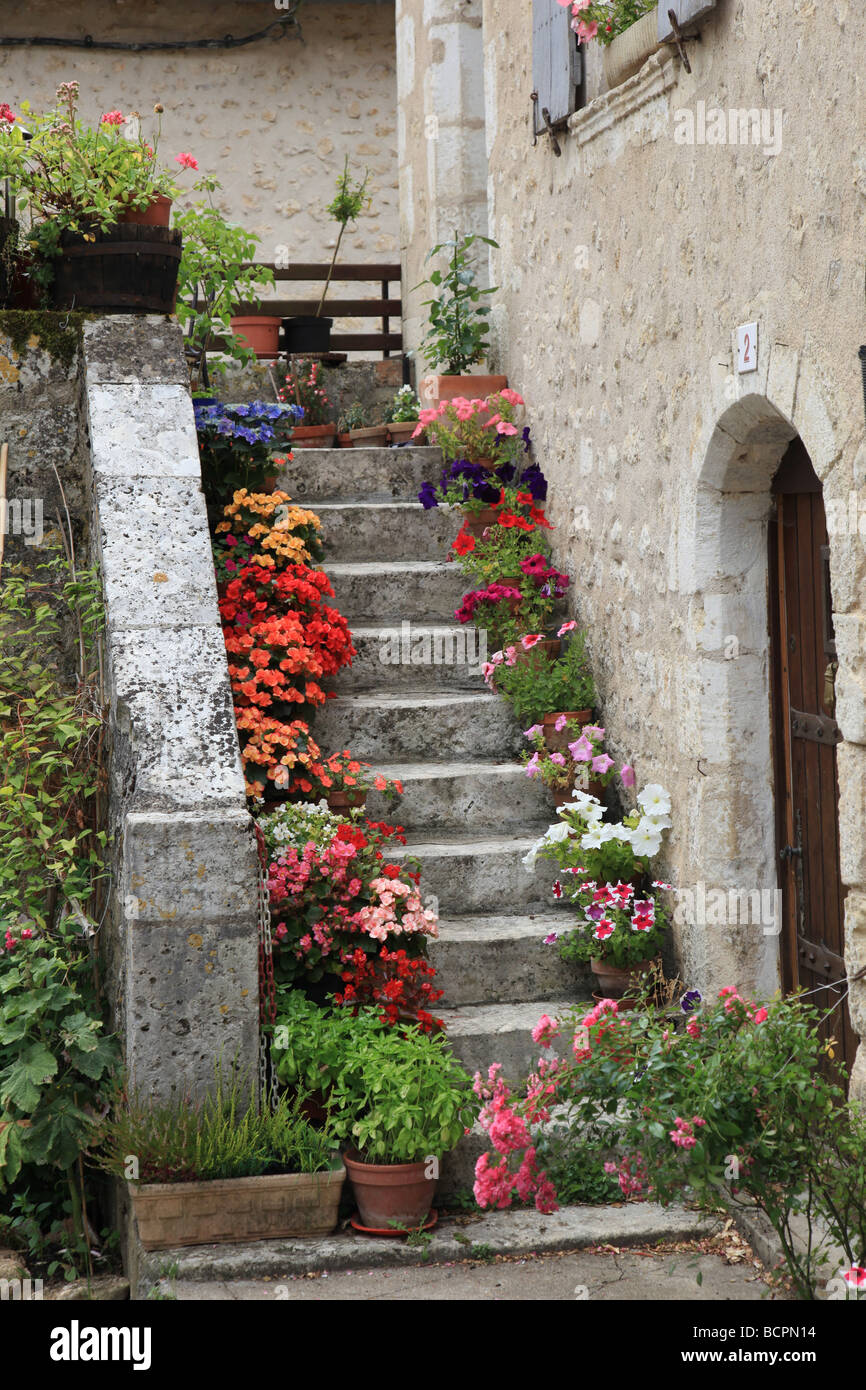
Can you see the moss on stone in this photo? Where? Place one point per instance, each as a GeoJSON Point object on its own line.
{"type": "Point", "coordinates": [58, 334]}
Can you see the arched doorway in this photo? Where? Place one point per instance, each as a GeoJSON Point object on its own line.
{"type": "Point", "coordinates": [805, 735]}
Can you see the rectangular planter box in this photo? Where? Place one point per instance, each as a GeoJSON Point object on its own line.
{"type": "Point", "coordinates": [236, 1209]}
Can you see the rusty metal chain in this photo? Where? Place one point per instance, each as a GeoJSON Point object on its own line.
{"type": "Point", "coordinates": [267, 987]}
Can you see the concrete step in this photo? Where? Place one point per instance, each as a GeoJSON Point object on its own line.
{"type": "Point", "coordinates": [408, 655]}
{"type": "Point", "coordinates": [374, 591]}
{"type": "Point", "coordinates": [388, 530]}
{"type": "Point", "coordinates": [473, 875]}
{"type": "Point", "coordinates": [487, 1033]}
{"type": "Point", "coordinates": [389, 726]}
{"type": "Point", "coordinates": [340, 475]}
{"type": "Point", "coordinates": [457, 796]}
{"type": "Point", "coordinates": [487, 959]}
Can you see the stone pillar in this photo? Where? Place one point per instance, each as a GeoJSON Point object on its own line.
{"type": "Point", "coordinates": [181, 942]}
{"type": "Point", "coordinates": [441, 138]}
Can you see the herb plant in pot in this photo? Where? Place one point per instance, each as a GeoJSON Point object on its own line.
{"type": "Point", "coordinates": [401, 417]}
{"type": "Point", "coordinates": [400, 1102]}
{"type": "Point", "coordinates": [312, 332]}
{"type": "Point", "coordinates": [537, 685]}
{"type": "Point", "coordinates": [356, 422]}
{"type": "Point", "coordinates": [457, 336]}
{"type": "Point", "coordinates": [606, 870]}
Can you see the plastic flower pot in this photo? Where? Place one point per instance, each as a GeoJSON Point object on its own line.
{"type": "Point", "coordinates": [474, 386]}
{"type": "Point", "coordinates": [371, 437]}
{"type": "Point", "coordinates": [306, 333]}
{"type": "Point", "coordinates": [314, 436]}
{"type": "Point", "coordinates": [156, 214]}
{"type": "Point", "coordinates": [344, 800]}
{"type": "Point", "coordinates": [259, 332]}
{"type": "Point", "coordinates": [614, 982]}
{"type": "Point", "coordinates": [556, 741]}
{"type": "Point", "coordinates": [389, 1193]}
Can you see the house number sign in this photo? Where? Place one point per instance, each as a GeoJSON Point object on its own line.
{"type": "Point", "coordinates": [747, 347]}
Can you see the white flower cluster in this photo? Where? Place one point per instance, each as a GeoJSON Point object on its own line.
{"type": "Point", "coordinates": [645, 838]}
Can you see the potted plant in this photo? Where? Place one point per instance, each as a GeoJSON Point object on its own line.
{"type": "Point", "coordinates": [98, 202]}
{"type": "Point", "coordinates": [457, 336]}
{"type": "Point", "coordinates": [356, 422]}
{"type": "Point", "coordinates": [400, 1101]}
{"type": "Point", "coordinates": [477, 431]}
{"type": "Point", "coordinates": [235, 445]}
{"type": "Point", "coordinates": [485, 494]}
{"type": "Point", "coordinates": [626, 29]}
{"type": "Point", "coordinates": [312, 332]}
{"type": "Point", "coordinates": [579, 762]}
{"type": "Point", "coordinates": [224, 1168]}
{"type": "Point", "coordinates": [302, 388]}
{"type": "Point", "coordinates": [346, 782]}
{"type": "Point", "coordinates": [606, 866]}
{"type": "Point", "coordinates": [537, 685]}
{"type": "Point", "coordinates": [216, 278]}
{"type": "Point", "coordinates": [401, 417]}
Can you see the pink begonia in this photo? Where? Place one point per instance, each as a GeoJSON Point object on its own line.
{"type": "Point", "coordinates": [545, 1031]}
{"type": "Point", "coordinates": [626, 775]}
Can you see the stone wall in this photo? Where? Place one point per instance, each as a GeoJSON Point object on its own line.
{"type": "Point", "coordinates": [625, 266]}
{"type": "Point", "coordinates": [182, 944]}
{"type": "Point", "coordinates": [272, 121]}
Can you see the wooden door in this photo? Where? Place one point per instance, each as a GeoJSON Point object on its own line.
{"type": "Point", "coordinates": [806, 734]}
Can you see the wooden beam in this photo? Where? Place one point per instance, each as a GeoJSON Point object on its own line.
{"type": "Point", "coordinates": [314, 270]}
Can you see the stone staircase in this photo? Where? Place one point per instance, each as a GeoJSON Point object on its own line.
{"type": "Point", "coordinates": [469, 810]}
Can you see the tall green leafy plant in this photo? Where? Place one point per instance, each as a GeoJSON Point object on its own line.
{"type": "Point", "coordinates": [347, 206]}
{"type": "Point", "coordinates": [457, 336]}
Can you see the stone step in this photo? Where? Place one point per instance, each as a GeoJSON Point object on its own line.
{"type": "Point", "coordinates": [381, 589]}
{"type": "Point", "coordinates": [469, 875]}
{"type": "Point", "coordinates": [389, 530]}
{"type": "Point", "coordinates": [487, 959]}
{"type": "Point", "coordinates": [389, 726]}
{"type": "Point", "coordinates": [457, 796]}
{"type": "Point", "coordinates": [487, 1033]}
{"type": "Point", "coordinates": [340, 475]}
{"type": "Point", "coordinates": [408, 655]}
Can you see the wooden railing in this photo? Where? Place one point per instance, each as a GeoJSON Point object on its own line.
{"type": "Point", "coordinates": [384, 308]}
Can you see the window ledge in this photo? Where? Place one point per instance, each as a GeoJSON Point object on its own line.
{"type": "Point", "coordinates": [659, 73]}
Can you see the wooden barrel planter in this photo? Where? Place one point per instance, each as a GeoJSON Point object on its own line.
{"type": "Point", "coordinates": [129, 269]}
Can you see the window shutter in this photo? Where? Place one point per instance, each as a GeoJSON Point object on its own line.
{"type": "Point", "coordinates": [688, 13]}
{"type": "Point", "coordinates": [556, 62]}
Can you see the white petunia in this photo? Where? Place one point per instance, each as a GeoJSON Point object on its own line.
{"type": "Point", "coordinates": [654, 800]}
{"type": "Point", "coordinates": [556, 833]}
{"type": "Point", "coordinates": [592, 839]}
{"type": "Point", "coordinates": [646, 839]}
{"type": "Point", "coordinates": [659, 821]}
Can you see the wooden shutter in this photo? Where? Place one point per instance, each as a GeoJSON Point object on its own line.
{"type": "Point", "coordinates": [556, 62]}
{"type": "Point", "coordinates": [688, 13]}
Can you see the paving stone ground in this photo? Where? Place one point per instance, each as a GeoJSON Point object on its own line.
{"type": "Point", "coordinates": [571, 1277]}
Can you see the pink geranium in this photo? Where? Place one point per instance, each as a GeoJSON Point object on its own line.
{"type": "Point", "coordinates": [186, 161]}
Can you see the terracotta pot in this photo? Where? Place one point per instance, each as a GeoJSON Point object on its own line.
{"type": "Point", "coordinates": [401, 432]}
{"type": "Point", "coordinates": [344, 800]}
{"type": "Point", "coordinates": [592, 788]}
{"type": "Point", "coordinates": [259, 332]}
{"type": "Point", "coordinates": [476, 521]}
{"type": "Point", "coordinates": [548, 647]}
{"type": "Point", "coordinates": [616, 983]}
{"type": "Point", "coordinates": [344, 441]}
{"type": "Point", "coordinates": [372, 437]}
{"type": "Point", "coordinates": [628, 52]}
{"type": "Point", "coordinates": [390, 1192]}
{"type": "Point", "coordinates": [557, 742]}
{"type": "Point", "coordinates": [156, 214]}
{"type": "Point", "coordinates": [475, 386]}
{"type": "Point", "coordinates": [235, 1209]}
{"type": "Point", "coordinates": [314, 436]}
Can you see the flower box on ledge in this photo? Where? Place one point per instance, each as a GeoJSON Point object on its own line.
{"type": "Point", "coordinates": [237, 1209]}
{"type": "Point", "coordinates": [628, 52]}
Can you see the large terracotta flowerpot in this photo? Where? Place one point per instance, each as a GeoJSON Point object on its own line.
{"type": "Point", "coordinates": [629, 51]}
{"type": "Point", "coordinates": [548, 647]}
{"type": "Point", "coordinates": [259, 332]}
{"type": "Point", "coordinates": [616, 983]}
{"type": "Point", "coordinates": [478, 520]}
{"type": "Point", "coordinates": [390, 1192]}
{"type": "Point", "coordinates": [156, 214]}
{"type": "Point", "coordinates": [314, 436]}
{"type": "Point", "coordinates": [556, 741]}
{"type": "Point", "coordinates": [474, 386]}
{"type": "Point", "coordinates": [401, 432]}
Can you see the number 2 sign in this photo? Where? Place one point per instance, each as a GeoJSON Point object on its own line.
{"type": "Point", "coordinates": [747, 347]}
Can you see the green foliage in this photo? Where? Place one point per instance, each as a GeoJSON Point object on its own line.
{"type": "Point", "coordinates": [311, 1044]}
{"type": "Point", "coordinates": [579, 1177]}
{"type": "Point", "coordinates": [458, 328]}
{"type": "Point", "coordinates": [225, 1135]}
{"type": "Point", "coordinates": [346, 207]}
{"type": "Point", "coordinates": [615, 16]}
{"type": "Point", "coordinates": [357, 417]}
{"type": "Point", "coordinates": [38, 1226]}
{"type": "Point", "coordinates": [537, 686]}
{"type": "Point", "coordinates": [215, 277]}
{"type": "Point", "coordinates": [396, 1094]}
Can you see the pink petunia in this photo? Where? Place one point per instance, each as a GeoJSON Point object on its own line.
{"type": "Point", "coordinates": [566, 627]}
{"type": "Point", "coordinates": [626, 775]}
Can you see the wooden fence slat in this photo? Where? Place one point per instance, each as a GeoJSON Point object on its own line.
{"type": "Point", "coordinates": [334, 308]}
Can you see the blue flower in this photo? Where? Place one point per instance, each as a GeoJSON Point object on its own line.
{"type": "Point", "coordinates": [427, 496]}
{"type": "Point", "coordinates": [690, 1000]}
